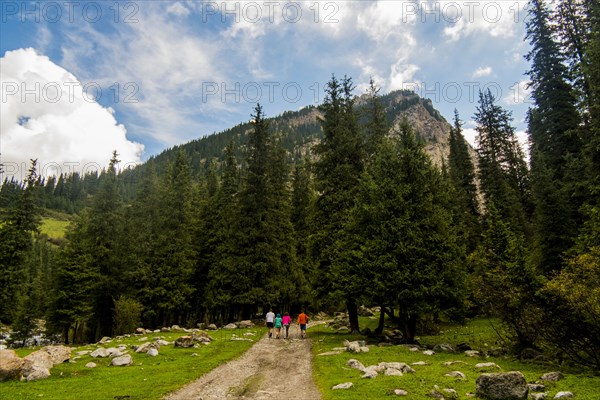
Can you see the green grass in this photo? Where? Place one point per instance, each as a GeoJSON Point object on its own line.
{"type": "Point", "coordinates": [149, 377]}
{"type": "Point", "coordinates": [53, 227]}
{"type": "Point", "coordinates": [332, 370]}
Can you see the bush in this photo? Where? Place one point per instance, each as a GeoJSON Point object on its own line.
{"type": "Point", "coordinates": [572, 305]}
{"type": "Point", "coordinates": [127, 315]}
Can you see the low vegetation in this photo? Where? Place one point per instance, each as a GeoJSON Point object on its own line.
{"type": "Point", "coordinates": [480, 334]}
{"type": "Point", "coordinates": [148, 378]}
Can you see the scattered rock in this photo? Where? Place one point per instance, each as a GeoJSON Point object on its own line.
{"type": "Point", "coordinates": [37, 361]}
{"type": "Point", "coordinates": [529, 354]}
{"type": "Point", "coordinates": [487, 366]}
{"type": "Point", "coordinates": [443, 348]}
{"type": "Point", "coordinates": [400, 392]}
{"type": "Point", "coordinates": [536, 387]}
{"type": "Point", "coordinates": [435, 393]}
{"type": "Point", "coordinates": [393, 372]}
{"type": "Point", "coordinates": [38, 373]}
{"type": "Point", "coordinates": [230, 326]}
{"type": "Point", "coordinates": [501, 386]}
{"type": "Point", "coordinates": [448, 363]}
{"type": "Point", "coordinates": [212, 327]}
{"type": "Point", "coordinates": [59, 354]}
{"type": "Point", "coordinates": [153, 352]}
{"type": "Point", "coordinates": [140, 331]}
{"type": "Point", "coordinates": [156, 331]}
{"type": "Point", "coordinates": [176, 328]}
{"type": "Point", "coordinates": [352, 363]}
{"type": "Point", "coordinates": [342, 386]}
{"type": "Point", "coordinates": [10, 365]}
{"type": "Point", "coordinates": [144, 348]}
{"type": "Point", "coordinates": [365, 312]}
{"type": "Point", "coordinates": [343, 329]}
{"type": "Point", "coordinates": [165, 329]}
{"type": "Point", "coordinates": [364, 349]}
{"type": "Point", "coordinates": [471, 353]}
{"type": "Point", "coordinates": [114, 352]}
{"type": "Point", "coordinates": [162, 342]}
{"type": "Point", "coordinates": [563, 395]}
{"type": "Point", "coordinates": [456, 374]}
{"type": "Point", "coordinates": [122, 361]}
{"type": "Point", "coordinates": [405, 368]}
{"type": "Point", "coordinates": [105, 340]}
{"type": "Point", "coordinates": [83, 352]}
{"type": "Point", "coordinates": [420, 363]}
{"type": "Point", "coordinates": [552, 376]}
{"type": "Point", "coordinates": [194, 355]}
{"type": "Point", "coordinates": [370, 374]}
{"type": "Point", "coordinates": [538, 396]}
{"type": "Point", "coordinates": [429, 352]}
{"type": "Point", "coordinates": [91, 365]}
{"type": "Point", "coordinates": [143, 339]}
{"type": "Point", "coordinates": [184, 341]}
{"type": "Point", "coordinates": [99, 352]}
{"type": "Point", "coordinates": [246, 324]}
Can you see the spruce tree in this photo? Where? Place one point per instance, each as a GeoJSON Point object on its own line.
{"type": "Point", "coordinates": [339, 165]}
{"type": "Point", "coordinates": [461, 172]}
{"type": "Point", "coordinates": [503, 174]}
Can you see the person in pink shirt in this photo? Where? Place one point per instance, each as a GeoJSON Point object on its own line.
{"type": "Point", "coordinates": [286, 320]}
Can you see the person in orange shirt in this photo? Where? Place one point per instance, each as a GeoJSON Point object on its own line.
{"type": "Point", "coordinates": [302, 321]}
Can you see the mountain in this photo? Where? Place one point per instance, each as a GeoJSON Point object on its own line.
{"type": "Point", "coordinates": [300, 130]}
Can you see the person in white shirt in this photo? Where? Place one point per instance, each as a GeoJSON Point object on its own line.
{"type": "Point", "coordinates": [270, 321]}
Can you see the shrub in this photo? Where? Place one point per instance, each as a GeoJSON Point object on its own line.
{"type": "Point", "coordinates": [127, 315]}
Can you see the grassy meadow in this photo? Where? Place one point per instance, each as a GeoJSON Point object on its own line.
{"type": "Point", "coordinates": [479, 334]}
{"type": "Point", "coordinates": [148, 378]}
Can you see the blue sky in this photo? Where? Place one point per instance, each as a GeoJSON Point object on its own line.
{"type": "Point", "coordinates": [148, 75]}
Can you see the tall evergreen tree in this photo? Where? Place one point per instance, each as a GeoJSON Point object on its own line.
{"type": "Point", "coordinates": [17, 229]}
{"type": "Point", "coordinates": [503, 173]}
{"type": "Point", "coordinates": [337, 171]}
{"type": "Point", "coordinates": [554, 137]}
{"type": "Point", "coordinates": [404, 253]}
{"type": "Point", "coordinates": [461, 172]}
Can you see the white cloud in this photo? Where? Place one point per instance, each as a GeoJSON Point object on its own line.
{"type": "Point", "coordinates": [470, 134]}
{"type": "Point", "coordinates": [169, 63]}
{"type": "Point", "coordinates": [499, 19]}
{"type": "Point", "coordinates": [519, 93]}
{"type": "Point", "coordinates": [402, 75]}
{"type": "Point", "coordinates": [482, 71]}
{"type": "Point", "coordinates": [47, 116]}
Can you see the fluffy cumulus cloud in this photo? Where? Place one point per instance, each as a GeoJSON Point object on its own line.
{"type": "Point", "coordinates": [47, 114]}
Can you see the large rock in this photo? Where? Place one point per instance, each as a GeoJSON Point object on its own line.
{"type": "Point", "coordinates": [36, 361]}
{"type": "Point", "coordinates": [230, 326]}
{"type": "Point", "coordinates": [246, 324]}
{"type": "Point", "coordinates": [145, 347]}
{"type": "Point", "coordinates": [487, 366]}
{"type": "Point", "coordinates": [122, 361]}
{"type": "Point", "coordinates": [456, 374]}
{"type": "Point", "coordinates": [502, 386]}
{"type": "Point", "coordinates": [352, 363]}
{"type": "Point", "coordinates": [152, 352]}
{"type": "Point", "coordinates": [38, 373]}
{"type": "Point", "coordinates": [99, 352]}
{"type": "Point", "coordinates": [10, 365]}
{"type": "Point", "coordinates": [563, 395]}
{"type": "Point", "coordinates": [184, 341]}
{"type": "Point", "coordinates": [212, 327]}
{"type": "Point", "coordinates": [59, 354]}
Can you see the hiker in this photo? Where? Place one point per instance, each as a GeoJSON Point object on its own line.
{"type": "Point", "coordinates": [286, 320]}
{"type": "Point", "coordinates": [278, 322]}
{"type": "Point", "coordinates": [270, 321]}
{"type": "Point", "coordinates": [302, 321]}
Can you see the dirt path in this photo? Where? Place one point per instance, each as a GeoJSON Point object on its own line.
{"type": "Point", "coordinates": [271, 369]}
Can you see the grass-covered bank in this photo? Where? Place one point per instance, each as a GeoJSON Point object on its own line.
{"type": "Point", "coordinates": [148, 378]}
{"type": "Point", "coordinates": [331, 370]}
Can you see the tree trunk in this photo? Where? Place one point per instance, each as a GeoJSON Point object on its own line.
{"type": "Point", "coordinates": [379, 329]}
{"type": "Point", "coordinates": [408, 324]}
{"type": "Point", "coordinates": [66, 333]}
{"type": "Point", "coordinates": [352, 315]}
